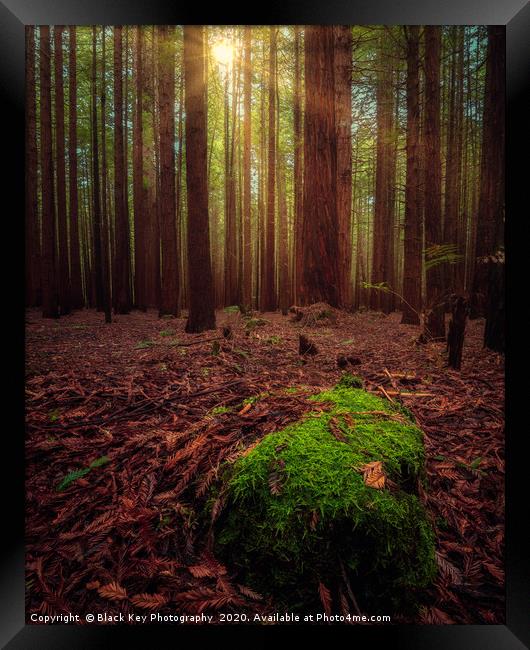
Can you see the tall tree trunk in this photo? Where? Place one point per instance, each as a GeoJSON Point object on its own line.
{"type": "Point", "coordinates": [105, 212]}
{"type": "Point", "coordinates": [413, 235]}
{"type": "Point", "coordinates": [283, 261]}
{"type": "Point", "coordinates": [77, 300]}
{"type": "Point", "coordinates": [246, 280]}
{"type": "Point", "coordinates": [31, 205]}
{"type": "Point", "coordinates": [343, 123]}
{"type": "Point", "coordinates": [269, 283]}
{"type": "Point", "coordinates": [488, 282]}
{"type": "Point", "coordinates": [298, 171]}
{"type": "Point", "coordinates": [321, 272]}
{"type": "Point", "coordinates": [96, 209]}
{"type": "Point", "coordinates": [201, 298]}
{"type": "Point", "coordinates": [435, 316]}
{"type": "Point", "coordinates": [122, 296]}
{"type": "Point", "coordinates": [231, 281]}
{"type": "Point", "coordinates": [50, 297]}
{"type": "Point", "coordinates": [452, 185]}
{"type": "Point", "coordinates": [168, 208]}
{"type": "Point", "coordinates": [139, 192]}
{"type": "Point", "coordinates": [64, 273]}
{"type": "Point", "coordinates": [383, 209]}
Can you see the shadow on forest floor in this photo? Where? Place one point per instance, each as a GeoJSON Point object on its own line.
{"type": "Point", "coordinates": [159, 410]}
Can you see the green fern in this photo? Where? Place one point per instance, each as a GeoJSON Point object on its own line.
{"type": "Point", "coordinates": [441, 254]}
{"type": "Point", "coordinates": [79, 473]}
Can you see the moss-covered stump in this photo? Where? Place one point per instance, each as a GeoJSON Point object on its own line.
{"type": "Point", "coordinates": [332, 499]}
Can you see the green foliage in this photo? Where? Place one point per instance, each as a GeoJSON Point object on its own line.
{"type": "Point", "coordinates": [219, 410]}
{"type": "Point", "coordinates": [216, 348]}
{"type": "Point", "coordinates": [441, 254]}
{"type": "Point", "coordinates": [252, 323]}
{"type": "Point", "coordinates": [79, 473]}
{"type": "Point", "coordinates": [350, 381]}
{"type": "Point", "coordinates": [233, 309]}
{"type": "Point", "coordinates": [54, 415]}
{"type": "Point", "coordinates": [142, 345]}
{"type": "Point", "coordinates": [168, 332]}
{"type": "Point", "coordinates": [298, 506]}
{"type": "Point", "coordinates": [273, 340]}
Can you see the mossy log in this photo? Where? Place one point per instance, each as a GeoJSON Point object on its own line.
{"type": "Point", "coordinates": [332, 499]}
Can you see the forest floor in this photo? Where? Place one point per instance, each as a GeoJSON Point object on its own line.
{"type": "Point", "coordinates": [159, 410]}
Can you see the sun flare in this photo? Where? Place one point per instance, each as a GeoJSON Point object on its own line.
{"type": "Point", "coordinates": [223, 52]}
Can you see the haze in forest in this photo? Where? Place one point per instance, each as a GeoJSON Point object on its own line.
{"type": "Point", "coordinates": [194, 168]}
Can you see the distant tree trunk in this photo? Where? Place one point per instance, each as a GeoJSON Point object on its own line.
{"type": "Point", "coordinates": [383, 237]}
{"type": "Point", "coordinates": [168, 207]}
{"type": "Point", "coordinates": [298, 171]}
{"type": "Point", "coordinates": [269, 280]}
{"type": "Point", "coordinates": [231, 280]}
{"type": "Point", "coordinates": [64, 273]}
{"type": "Point", "coordinates": [435, 316]}
{"type": "Point", "coordinates": [96, 209]}
{"type": "Point", "coordinates": [201, 298]}
{"type": "Point", "coordinates": [343, 123]}
{"type": "Point", "coordinates": [32, 217]}
{"type": "Point", "coordinates": [246, 280]}
{"type": "Point", "coordinates": [453, 165]}
{"type": "Point", "coordinates": [321, 274]}
{"type": "Point", "coordinates": [122, 296]}
{"type": "Point", "coordinates": [50, 297]}
{"type": "Point", "coordinates": [105, 216]}
{"type": "Point", "coordinates": [283, 265]}
{"type": "Point", "coordinates": [77, 301]}
{"type": "Point", "coordinates": [413, 237]}
{"type": "Point", "coordinates": [139, 192]}
{"type": "Point", "coordinates": [490, 219]}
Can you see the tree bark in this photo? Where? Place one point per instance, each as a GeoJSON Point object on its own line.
{"type": "Point", "coordinates": [77, 300]}
{"type": "Point", "coordinates": [139, 192]}
{"type": "Point", "coordinates": [168, 230]}
{"type": "Point", "coordinates": [64, 272]}
{"type": "Point", "coordinates": [201, 298]}
{"type": "Point", "coordinates": [321, 274]}
{"type": "Point", "coordinates": [490, 218]}
{"type": "Point", "coordinates": [105, 215]}
{"type": "Point", "coordinates": [435, 316]}
{"type": "Point", "coordinates": [413, 237]}
{"type": "Point", "coordinates": [298, 165]}
{"type": "Point", "coordinates": [32, 211]}
{"type": "Point", "coordinates": [269, 279]}
{"type": "Point", "coordinates": [343, 123]}
{"type": "Point", "coordinates": [246, 280]}
{"type": "Point", "coordinates": [122, 296]}
{"type": "Point", "coordinates": [50, 297]}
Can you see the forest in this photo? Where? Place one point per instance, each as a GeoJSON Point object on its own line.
{"type": "Point", "coordinates": [265, 321]}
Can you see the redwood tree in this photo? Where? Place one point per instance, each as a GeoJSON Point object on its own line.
{"type": "Point", "coordinates": [321, 274]}
{"type": "Point", "coordinates": [32, 224]}
{"type": "Point", "coordinates": [169, 299]}
{"type": "Point", "coordinates": [201, 298]}
{"type": "Point", "coordinates": [121, 269]}
{"type": "Point", "coordinates": [343, 123]}
{"type": "Point", "coordinates": [76, 285]}
{"type": "Point", "coordinates": [268, 301]}
{"type": "Point", "coordinates": [413, 235]}
{"type": "Point", "coordinates": [435, 317]}
{"type": "Point", "coordinates": [64, 273]}
{"type": "Point", "coordinates": [50, 298]}
{"type": "Point", "coordinates": [139, 192]}
{"type": "Point", "coordinates": [246, 280]}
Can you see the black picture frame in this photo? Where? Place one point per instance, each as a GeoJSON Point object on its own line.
{"type": "Point", "coordinates": [14, 14]}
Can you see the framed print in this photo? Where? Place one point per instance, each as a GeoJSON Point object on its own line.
{"type": "Point", "coordinates": [264, 340]}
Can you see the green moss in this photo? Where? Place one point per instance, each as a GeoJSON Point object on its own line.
{"type": "Point", "coordinates": [297, 505]}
